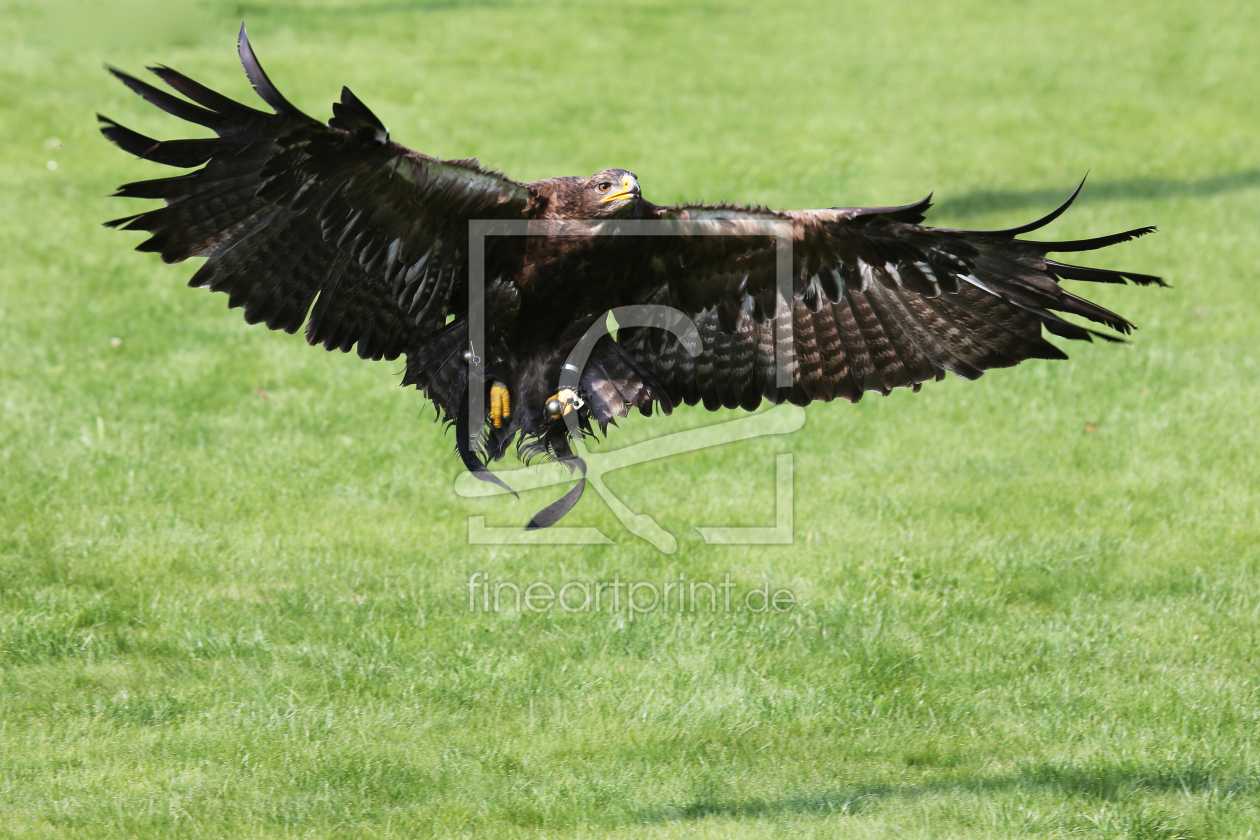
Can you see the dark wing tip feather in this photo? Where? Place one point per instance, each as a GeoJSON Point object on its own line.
{"type": "Point", "coordinates": [1102, 275]}
{"type": "Point", "coordinates": [173, 105]}
{"type": "Point", "coordinates": [1066, 329]}
{"type": "Point", "coordinates": [912, 213]}
{"type": "Point", "coordinates": [258, 77]}
{"type": "Point", "coordinates": [203, 95]}
{"type": "Point", "coordinates": [124, 138]}
{"type": "Point", "coordinates": [1044, 220]}
{"type": "Point", "coordinates": [908, 213]}
{"type": "Point", "coordinates": [117, 223]}
{"type": "Point", "coordinates": [184, 154]}
{"type": "Point", "coordinates": [1088, 244]}
{"type": "Point", "coordinates": [350, 114]}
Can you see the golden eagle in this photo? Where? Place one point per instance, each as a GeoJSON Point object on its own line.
{"type": "Point", "coordinates": [367, 243]}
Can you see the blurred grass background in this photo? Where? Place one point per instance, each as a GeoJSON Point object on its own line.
{"type": "Point", "coordinates": [231, 565]}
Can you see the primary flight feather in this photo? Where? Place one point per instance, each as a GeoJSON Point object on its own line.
{"type": "Point", "coordinates": [337, 228]}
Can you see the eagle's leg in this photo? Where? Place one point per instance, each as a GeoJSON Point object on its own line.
{"type": "Point", "coordinates": [500, 403]}
{"type": "Point", "coordinates": [562, 402]}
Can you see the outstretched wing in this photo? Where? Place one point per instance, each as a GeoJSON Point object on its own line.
{"type": "Point", "coordinates": [877, 302]}
{"type": "Point", "coordinates": [287, 209]}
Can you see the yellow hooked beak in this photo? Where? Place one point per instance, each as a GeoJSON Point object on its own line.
{"type": "Point", "coordinates": [629, 187]}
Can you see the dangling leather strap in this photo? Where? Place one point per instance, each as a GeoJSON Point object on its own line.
{"type": "Point", "coordinates": [546, 517]}
{"type": "Point", "coordinates": [553, 512]}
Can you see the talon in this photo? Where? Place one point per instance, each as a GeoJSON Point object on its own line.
{"type": "Point", "coordinates": [562, 402]}
{"type": "Point", "coordinates": [500, 403]}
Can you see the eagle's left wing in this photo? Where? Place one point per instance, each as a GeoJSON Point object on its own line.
{"type": "Point", "coordinates": [877, 301]}
{"type": "Point", "coordinates": [333, 226]}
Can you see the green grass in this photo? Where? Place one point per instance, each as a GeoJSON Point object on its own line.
{"type": "Point", "coordinates": [1028, 606]}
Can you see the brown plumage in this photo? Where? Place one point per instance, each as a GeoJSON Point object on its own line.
{"type": "Point", "coordinates": [364, 242]}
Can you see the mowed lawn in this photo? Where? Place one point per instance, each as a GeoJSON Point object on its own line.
{"type": "Point", "coordinates": [234, 569]}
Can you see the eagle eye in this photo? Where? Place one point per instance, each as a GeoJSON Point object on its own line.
{"type": "Point", "coordinates": [604, 186]}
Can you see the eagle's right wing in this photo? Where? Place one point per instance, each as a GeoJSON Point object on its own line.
{"type": "Point", "coordinates": [287, 209]}
{"type": "Point", "coordinates": [877, 301]}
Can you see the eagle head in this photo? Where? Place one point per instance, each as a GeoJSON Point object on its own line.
{"type": "Point", "coordinates": [613, 193]}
